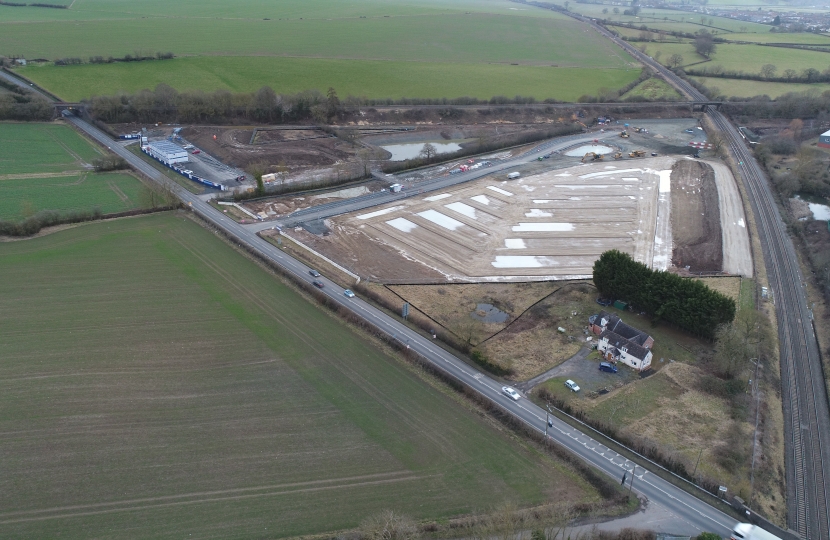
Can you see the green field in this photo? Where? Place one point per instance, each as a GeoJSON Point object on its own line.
{"type": "Point", "coordinates": [42, 148]}
{"type": "Point", "coordinates": [742, 88]}
{"type": "Point", "coordinates": [156, 384]}
{"type": "Point", "coordinates": [46, 167]}
{"type": "Point", "coordinates": [654, 89]}
{"type": "Point", "coordinates": [746, 58]}
{"type": "Point", "coordinates": [108, 192]}
{"type": "Point", "coordinates": [369, 78]}
{"type": "Point", "coordinates": [412, 48]}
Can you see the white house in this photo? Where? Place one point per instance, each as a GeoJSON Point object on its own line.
{"type": "Point", "coordinates": [616, 348]}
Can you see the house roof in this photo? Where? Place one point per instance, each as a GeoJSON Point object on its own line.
{"type": "Point", "coordinates": [620, 342]}
{"type": "Point", "coordinates": [616, 325]}
{"type": "Point", "coordinates": [826, 134]}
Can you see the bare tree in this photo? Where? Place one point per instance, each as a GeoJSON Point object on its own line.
{"type": "Point", "coordinates": [704, 44]}
{"type": "Point", "coordinates": [389, 525]}
{"type": "Point", "coordinates": [790, 74]}
{"type": "Point", "coordinates": [675, 60]}
{"type": "Point", "coordinates": [768, 71]}
{"type": "Point", "coordinates": [428, 151]}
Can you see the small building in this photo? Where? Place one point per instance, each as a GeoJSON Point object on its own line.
{"type": "Point", "coordinates": [620, 342]}
{"type": "Point", "coordinates": [824, 140]}
{"type": "Point", "coordinates": [167, 152]}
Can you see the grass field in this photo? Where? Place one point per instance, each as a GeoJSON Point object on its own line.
{"type": "Point", "coordinates": [108, 192]}
{"type": "Point", "coordinates": [737, 87]}
{"type": "Point", "coordinates": [42, 148]}
{"type": "Point", "coordinates": [370, 78]}
{"type": "Point", "coordinates": [45, 167]}
{"type": "Point", "coordinates": [746, 58]}
{"type": "Point", "coordinates": [654, 89]}
{"type": "Point", "coordinates": [155, 383]}
{"type": "Point", "coordinates": [416, 48]}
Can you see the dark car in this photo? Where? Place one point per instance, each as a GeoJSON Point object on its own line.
{"type": "Point", "coordinates": [314, 273]}
{"type": "Point", "coordinates": [604, 302]}
{"type": "Point", "coordinates": [319, 284]}
{"type": "Point", "coordinates": [607, 366]}
{"type": "Point", "coordinates": [546, 156]}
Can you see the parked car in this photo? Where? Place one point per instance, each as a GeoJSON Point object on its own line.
{"type": "Point", "coordinates": [607, 366]}
{"type": "Point", "coordinates": [197, 151]}
{"type": "Point", "coordinates": [570, 385]}
{"type": "Point", "coordinates": [348, 293]}
{"type": "Point", "coordinates": [604, 302]}
{"type": "Point", "coordinates": [510, 392]}
{"type": "Point", "coordinates": [319, 284]}
{"type": "Point", "coordinates": [314, 273]}
{"type": "Point", "coordinates": [546, 156]}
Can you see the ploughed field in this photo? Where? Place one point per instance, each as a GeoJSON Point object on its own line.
{"type": "Point", "coordinates": [424, 49]}
{"type": "Point", "coordinates": [155, 383]}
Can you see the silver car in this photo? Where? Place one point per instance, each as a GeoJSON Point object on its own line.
{"type": "Point", "coordinates": [572, 385]}
{"type": "Point", "coordinates": [510, 392]}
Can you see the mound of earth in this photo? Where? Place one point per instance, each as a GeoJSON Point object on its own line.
{"type": "Point", "coordinates": [695, 218]}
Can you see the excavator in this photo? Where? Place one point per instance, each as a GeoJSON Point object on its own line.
{"type": "Point", "coordinates": [618, 155]}
{"type": "Point", "coordinates": [637, 153]}
{"type": "Point", "coordinates": [624, 134]}
{"type": "Point", "coordinates": [593, 157]}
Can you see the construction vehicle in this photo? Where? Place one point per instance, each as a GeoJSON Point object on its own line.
{"type": "Point", "coordinates": [637, 153]}
{"type": "Point", "coordinates": [593, 157]}
{"type": "Point", "coordinates": [624, 134]}
{"type": "Point", "coordinates": [618, 155]}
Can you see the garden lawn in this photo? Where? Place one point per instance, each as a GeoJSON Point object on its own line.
{"type": "Point", "coordinates": [369, 78]}
{"type": "Point", "coordinates": [155, 383]}
{"type": "Point", "coordinates": [107, 192]}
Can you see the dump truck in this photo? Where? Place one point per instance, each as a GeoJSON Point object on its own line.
{"type": "Point", "coordinates": [637, 153]}
{"type": "Point", "coordinates": [624, 134]}
{"type": "Point", "coordinates": [618, 155]}
{"type": "Point", "coordinates": [592, 156]}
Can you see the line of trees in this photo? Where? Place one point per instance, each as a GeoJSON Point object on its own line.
{"type": "Point", "coordinates": [138, 57]}
{"type": "Point", "coordinates": [36, 4]}
{"type": "Point", "coordinates": [769, 72]}
{"type": "Point", "coordinates": [687, 303]}
{"type": "Point", "coordinates": [26, 107]}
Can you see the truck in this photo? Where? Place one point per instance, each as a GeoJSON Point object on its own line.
{"type": "Point", "coordinates": [748, 531]}
{"type": "Point", "coordinates": [513, 176]}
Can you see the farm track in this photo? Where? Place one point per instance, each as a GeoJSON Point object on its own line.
{"type": "Point", "coordinates": [804, 394]}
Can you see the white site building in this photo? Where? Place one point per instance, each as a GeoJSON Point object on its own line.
{"type": "Point", "coordinates": [167, 152]}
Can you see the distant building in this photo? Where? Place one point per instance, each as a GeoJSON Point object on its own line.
{"type": "Point", "coordinates": [167, 152]}
{"type": "Point", "coordinates": [620, 342]}
{"type": "Point", "coordinates": [824, 140]}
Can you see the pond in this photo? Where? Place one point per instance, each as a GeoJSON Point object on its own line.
{"type": "Point", "coordinates": [401, 152]}
{"type": "Point", "coordinates": [818, 206]}
{"type": "Point", "coordinates": [584, 149]}
{"type": "Point", "coordinates": [489, 313]}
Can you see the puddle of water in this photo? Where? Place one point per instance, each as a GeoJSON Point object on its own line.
{"type": "Point", "coordinates": [489, 313]}
{"type": "Point", "coordinates": [818, 206]}
{"type": "Point", "coordinates": [401, 152]}
{"type": "Point", "coordinates": [596, 148]}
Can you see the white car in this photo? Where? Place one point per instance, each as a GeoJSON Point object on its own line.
{"type": "Point", "coordinates": [572, 385]}
{"type": "Point", "coordinates": [510, 392]}
{"type": "Point", "coordinates": [348, 293]}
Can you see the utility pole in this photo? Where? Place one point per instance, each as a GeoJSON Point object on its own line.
{"type": "Point", "coordinates": [548, 422]}
{"type": "Point", "coordinates": [698, 462]}
{"type": "Point", "coordinates": [631, 485]}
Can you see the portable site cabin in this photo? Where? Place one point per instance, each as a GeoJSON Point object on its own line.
{"type": "Point", "coordinates": [824, 140]}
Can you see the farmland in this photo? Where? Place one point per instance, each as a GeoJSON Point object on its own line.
{"type": "Point", "coordinates": [738, 87]}
{"type": "Point", "coordinates": [45, 167]}
{"type": "Point", "coordinates": [376, 49]}
{"type": "Point", "coordinates": [370, 78]}
{"type": "Point", "coordinates": [155, 381]}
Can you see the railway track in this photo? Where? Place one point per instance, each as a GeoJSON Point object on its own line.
{"type": "Point", "coordinates": [804, 394]}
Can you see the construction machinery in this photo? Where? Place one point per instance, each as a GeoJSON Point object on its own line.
{"type": "Point", "coordinates": [618, 155]}
{"type": "Point", "coordinates": [624, 134]}
{"type": "Point", "coordinates": [637, 153]}
{"type": "Point", "coordinates": [592, 156]}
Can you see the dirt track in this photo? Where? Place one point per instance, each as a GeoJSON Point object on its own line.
{"type": "Point", "coordinates": [695, 218]}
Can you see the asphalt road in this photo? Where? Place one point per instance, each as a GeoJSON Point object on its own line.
{"type": "Point", "coordinates": [691, 514]}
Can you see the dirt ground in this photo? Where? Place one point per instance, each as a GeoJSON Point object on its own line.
{"type": "Point", "coordinates": [698, 242]}
{"type": "Point", "coordinates": [455, 305]}
{"type": "Point", "coordinates": [551, 225]}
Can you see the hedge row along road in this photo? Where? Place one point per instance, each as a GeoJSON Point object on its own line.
{"type": "Point", "coordinates": [804, 395]}
{"type": "Point", "coordinates": [693, 515]}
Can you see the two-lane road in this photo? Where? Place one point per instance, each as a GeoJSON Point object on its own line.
{"type": "Point", "coordinates": [692, 514]}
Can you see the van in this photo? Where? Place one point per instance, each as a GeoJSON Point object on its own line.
{"type": "Point", "coordinates": [513, 176]}
{"type": "Point", "coordinates": [606, 366]}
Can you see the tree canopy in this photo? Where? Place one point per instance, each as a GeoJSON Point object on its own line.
{"type": "Point", "coordinates": [686, 303]}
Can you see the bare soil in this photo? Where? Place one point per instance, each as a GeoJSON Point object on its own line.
{"type": "Point", "coordinates": [696, 229]}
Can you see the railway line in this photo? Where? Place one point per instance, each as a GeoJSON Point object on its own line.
{"type": "Point", "coordinates": [804, 394]}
